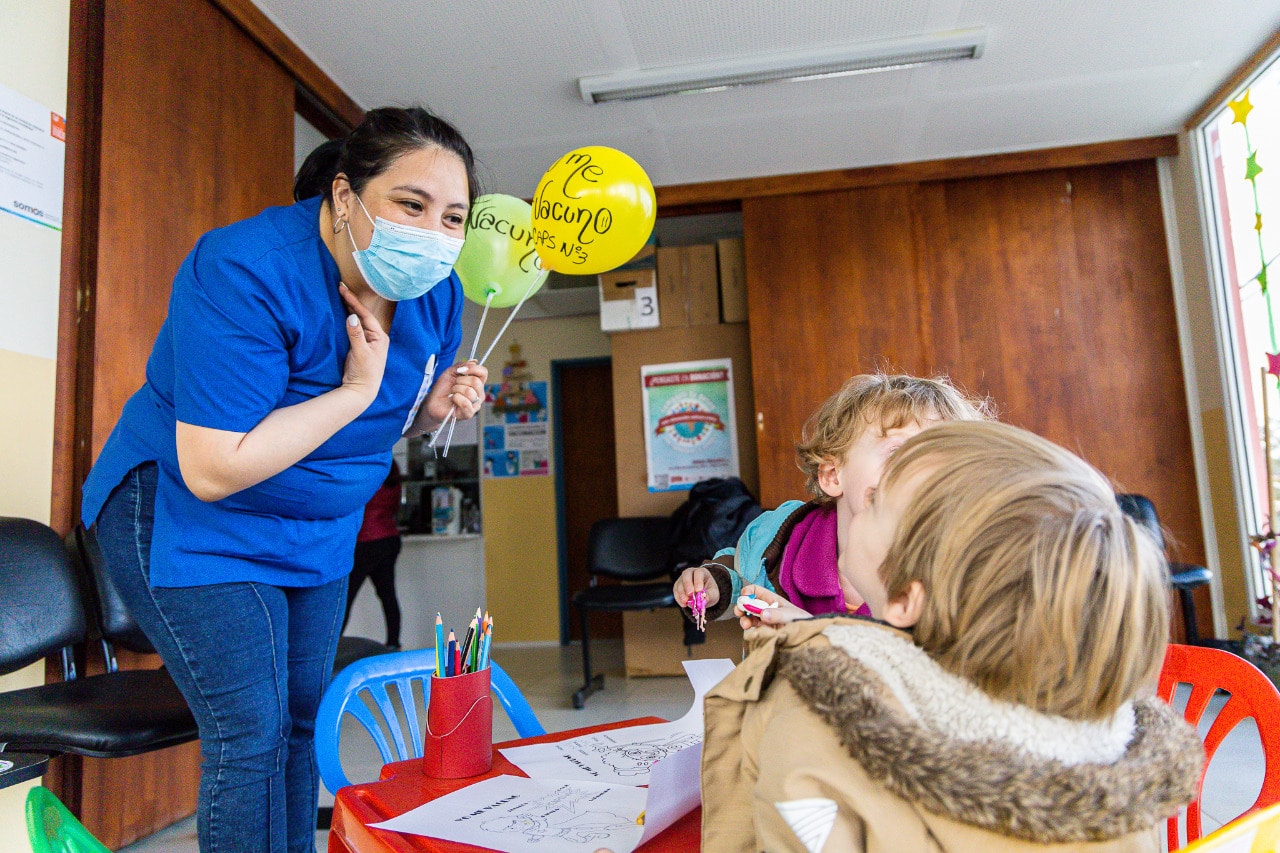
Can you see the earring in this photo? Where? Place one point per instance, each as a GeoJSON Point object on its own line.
{"type": "Point", "coordinates": [339, 225]}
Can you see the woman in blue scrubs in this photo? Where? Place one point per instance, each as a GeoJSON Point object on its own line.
{"type": "Point", "coordinates": [300, 345]}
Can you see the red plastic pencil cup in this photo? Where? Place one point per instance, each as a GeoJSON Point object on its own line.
{"type": "Point", "coordinates": [459, 737]}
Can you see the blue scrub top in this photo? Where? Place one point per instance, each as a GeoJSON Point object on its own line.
{"type": "Point", "coordinates": [255, 324]}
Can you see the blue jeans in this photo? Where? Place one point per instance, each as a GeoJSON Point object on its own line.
{"type": "Point", "coordinates": [252, 661]}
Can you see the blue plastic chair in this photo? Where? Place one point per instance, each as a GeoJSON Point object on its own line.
{"type": "Point", "coordinates": [381, 676]}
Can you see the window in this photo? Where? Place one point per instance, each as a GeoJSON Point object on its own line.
{"type": "Point", "coordinates": [1241, 145]}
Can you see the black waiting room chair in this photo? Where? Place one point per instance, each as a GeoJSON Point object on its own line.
{"type": "Point", "coordinates": [1183, 577]}
{"type": "Point", "coordinates": [42, 612]}
{"type": "Point", "coordinates": [631, 550]}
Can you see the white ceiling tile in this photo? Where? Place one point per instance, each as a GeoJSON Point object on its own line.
{"type": "Point", "coordinates": [669, 32]}
{"type": "Point", "coordinates": [831, 139]}
{"type": "Point", "coordinates": [1086, 109]}
{"type": "Point", "coordinates": [1055, 72]}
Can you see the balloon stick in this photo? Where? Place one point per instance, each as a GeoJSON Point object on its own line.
{"type": "Point", "coordinates": [475, 344]}
{"type": "Point", "coordinates": [453, 421]}
{"type": "Point", "coordinates": [512, 315]}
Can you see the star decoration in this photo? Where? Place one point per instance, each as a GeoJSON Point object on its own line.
{"type": "Point", "coordinates": [1252, 169]}
{"type": "Point", "coordinates": [1273, 363]}
{"type": "Point", "coordinates": [1240, 108]}
{"type": "Point", "coordinates": [1257, 222]}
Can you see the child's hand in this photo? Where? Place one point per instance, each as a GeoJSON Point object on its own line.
{"type": "Point", "coordinates": [692, 580]}
{"type": "Point", "coordinates": [785, 611]}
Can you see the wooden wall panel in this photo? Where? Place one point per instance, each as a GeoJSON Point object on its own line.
{"type": "Point", "coordinates": [832, 291]}
{"type": "Point", "coordinates": [191, 139]}
{"type": "Point", "coordinates": [1048, 290]}
{"type": "Point", "coordinates": [196, 132]}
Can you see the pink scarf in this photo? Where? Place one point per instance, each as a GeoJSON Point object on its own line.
{"type": "Point", "coordinates": [809, 576]}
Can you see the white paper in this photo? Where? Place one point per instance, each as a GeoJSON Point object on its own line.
{"type": "Point", "coordinates": [514, 813]}
{"type": "Point", "coordinates": [675, 789]}
{"type": "Point", "coordinates": [623, 756]}
{"type": "Point", "coordinates": [511, 813]}
{"type": "Point", "coordinates": [32, 150]}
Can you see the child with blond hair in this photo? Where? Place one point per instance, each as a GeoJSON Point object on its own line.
{"type": "Point", "coordinates": [793, 550]}
{"type": "Point", "coordinates": [1000, 699]}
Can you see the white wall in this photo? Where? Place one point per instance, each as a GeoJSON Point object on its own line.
{"type": "Point", "coordinates": [33, 62]}
{"type": "Point", "coordinates": [305, 140]}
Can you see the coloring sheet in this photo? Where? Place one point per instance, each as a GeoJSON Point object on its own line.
{"type": "Point", "coordinates": [511, 813]}
{"type": "Point", "coordinates": [623, 756]}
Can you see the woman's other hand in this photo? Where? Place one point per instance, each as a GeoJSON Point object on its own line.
{"type": "Point", "coordinates": [367, 358]}
{"type": "Point", "coordinates": [785, 611]}
{"type": "Point", "coordinates": [460, 388]}
{"type": "Point", "coordinates": [692, 580]}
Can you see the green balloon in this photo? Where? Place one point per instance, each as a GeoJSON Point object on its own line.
{"type": "Point", "coordinates": [498, 264]}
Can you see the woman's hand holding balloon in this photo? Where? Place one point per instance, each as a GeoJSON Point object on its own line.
{"type": "Point", "coordinates": [460, 388]}
{"type": "Point", "coordinates": [367, 358]}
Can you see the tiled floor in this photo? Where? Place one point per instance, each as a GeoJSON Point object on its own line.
{"type": "Point", "coordinates": [548, 675]}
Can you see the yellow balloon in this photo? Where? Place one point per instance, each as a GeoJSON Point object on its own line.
{"type": "Point", "coordinates": [593, 210]}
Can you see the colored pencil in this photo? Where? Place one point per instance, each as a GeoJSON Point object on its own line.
{"type": "Point", "coordinates": [467, 642]}
{"type": "Point", "coordinates": [452, 650]}
{"type": "Point", "coordinates": [440, 650]}
{"type": "Point", "coordinates": [457, 661]}
{"type": "Point", "coordinates": [488, 641]}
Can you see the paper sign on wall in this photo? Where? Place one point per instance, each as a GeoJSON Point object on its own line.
{"type": "Point", "coordinates": [32, 151]}
{"type": "Point", "coordinates": [689, 429]}
{"type": "Point", "coordinates": [516, 436]}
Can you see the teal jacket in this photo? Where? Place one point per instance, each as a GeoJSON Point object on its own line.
{"type": "Point", "coordinates": [757, 557]}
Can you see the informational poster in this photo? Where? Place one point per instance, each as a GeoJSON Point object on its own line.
{"type": "Point", "coordinates": [516, 438]}
{"type": "Point", "coordinates": [33, 146]}
{"type": "Point", "coordinates": [689, 430]}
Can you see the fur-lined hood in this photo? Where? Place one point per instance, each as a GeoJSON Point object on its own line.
{"type": "Point", "coordinates": [934, 739]}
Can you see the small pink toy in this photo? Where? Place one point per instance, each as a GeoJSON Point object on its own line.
{"type": "Point", "coordinates": [753, 605]}
{"type": "Point", "coordinates": [698, 604]}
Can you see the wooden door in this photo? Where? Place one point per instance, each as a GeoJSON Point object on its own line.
{"type": "Point", "coordinates": [832, 291]}
{"type": "Point", "coordinates": [589, 477]}
{"type": "Point", "coordinates": [192, 139]}
{"type": "Point", "coordinates": [1048, 290]}
{"type": "Point", "coordinates": [196, 131]}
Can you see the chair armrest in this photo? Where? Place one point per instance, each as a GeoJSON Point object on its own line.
{"type": "Point", "coordinates": [1187, 576]}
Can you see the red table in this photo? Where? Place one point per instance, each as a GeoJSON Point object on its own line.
{"type": "Point", "coordinates": [403, 787]}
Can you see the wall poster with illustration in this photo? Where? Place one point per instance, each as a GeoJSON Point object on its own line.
{"type": "Point", "coordinates": [689, 429]}
{"type": "Point", "coordinates": [516, 439]}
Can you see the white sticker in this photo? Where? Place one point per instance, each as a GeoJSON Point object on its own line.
{"type": "Point", "coordinates": [428, 374]}
{"type": "Point", "coordinates": [811, 819]}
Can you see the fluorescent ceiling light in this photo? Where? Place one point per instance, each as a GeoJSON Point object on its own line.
{"type": "Point", "coordinates": [838, 61]}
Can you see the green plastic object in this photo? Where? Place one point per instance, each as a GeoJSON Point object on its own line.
{"type": "Point", "coordinates": [53, 829]}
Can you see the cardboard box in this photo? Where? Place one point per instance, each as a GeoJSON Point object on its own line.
{"type": "Point", "coordinates": [733, 280]}
{"type": "Point", "coordinates": [702, 284]}
{"type": "Point", "coordinates": [645, 259]}
{"type": "Point", "coordinates": [672, 304]}
{"type": "Point", "coordinates": [628, 300]}
{"type": "Point", "coordinates": [653, 642]}
{"type": "Point", "coordinates": [688, 286]}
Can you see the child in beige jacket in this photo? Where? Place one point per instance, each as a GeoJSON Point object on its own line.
{"type": "Point", "coordinates": [999, 700]}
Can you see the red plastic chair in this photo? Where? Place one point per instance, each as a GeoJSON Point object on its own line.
{"type": "Point", "coordinates": [1252, 695]}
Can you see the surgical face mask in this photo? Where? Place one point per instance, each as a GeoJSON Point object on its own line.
{"type": "Point", "coordinates": [404, 262]}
